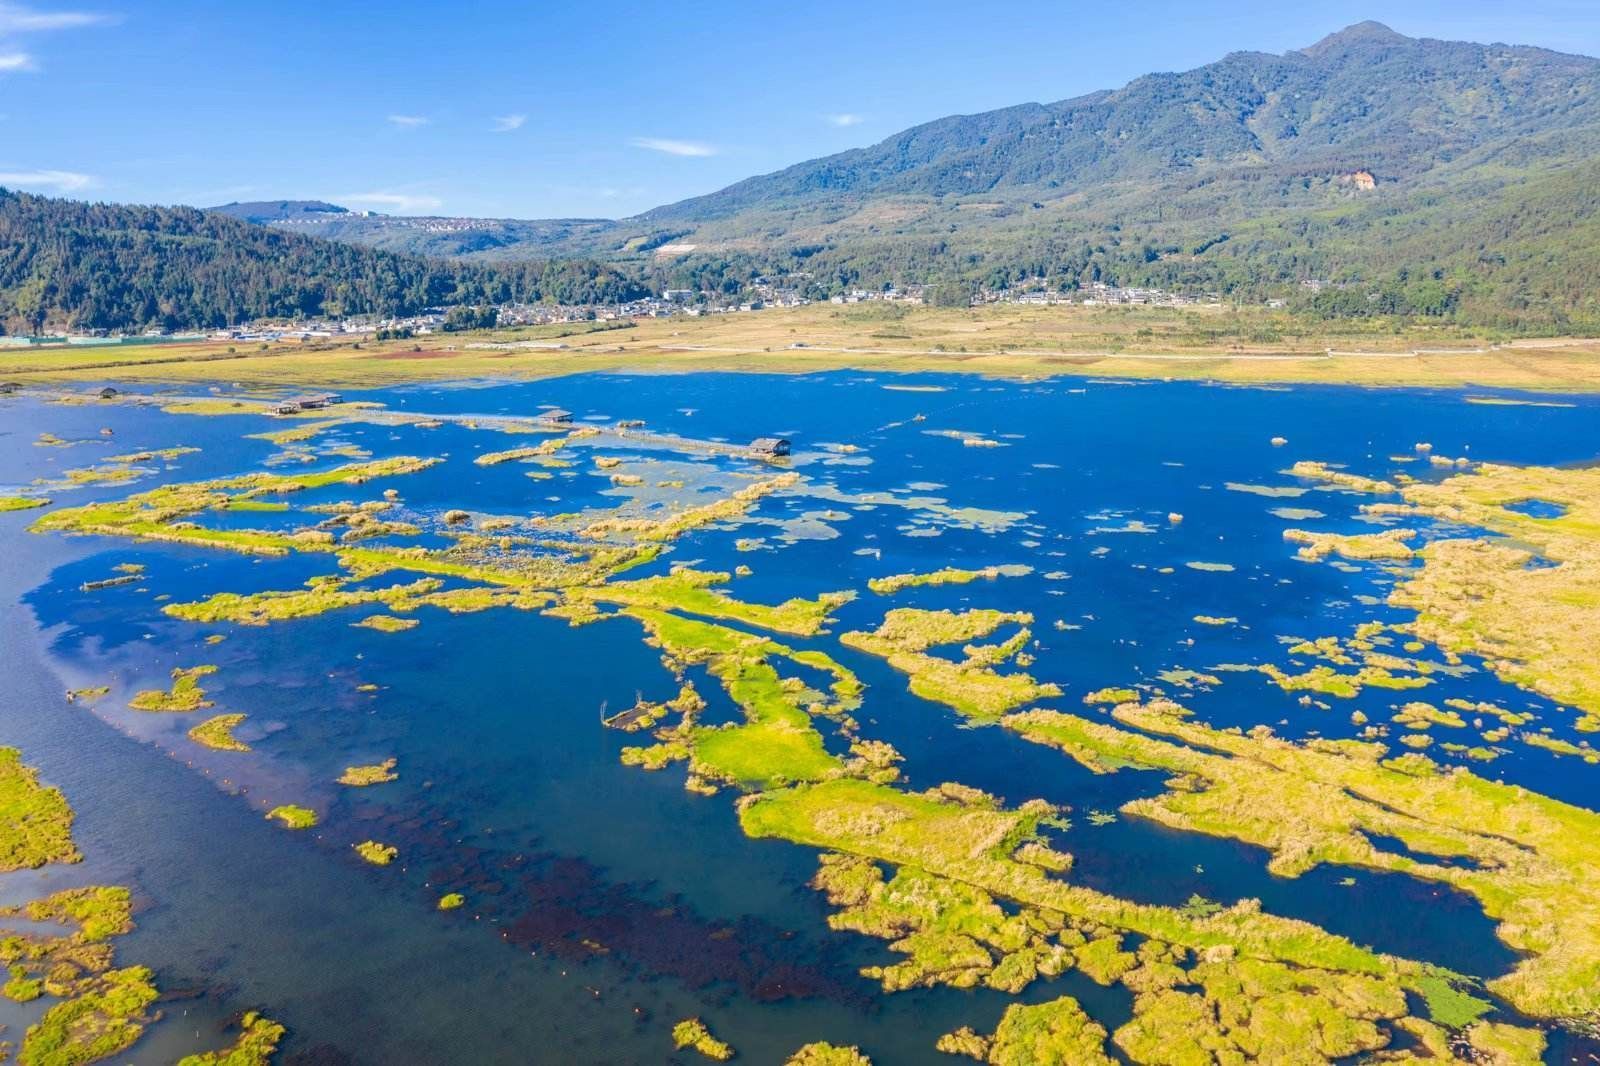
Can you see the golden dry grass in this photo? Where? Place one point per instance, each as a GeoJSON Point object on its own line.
{"type": "Point", "coordinates": [1003, 341]}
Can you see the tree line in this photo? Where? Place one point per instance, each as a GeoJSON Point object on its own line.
{"type": "Point", "coordinates": [70, 265]}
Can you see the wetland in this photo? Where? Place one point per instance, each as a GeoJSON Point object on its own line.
{"type": "Point", "coordinates": [434, 727]}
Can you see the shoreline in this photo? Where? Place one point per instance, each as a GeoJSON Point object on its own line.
{"type": "Point", "coordinates": [1153, 344]}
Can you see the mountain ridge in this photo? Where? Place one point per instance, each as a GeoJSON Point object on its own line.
{"type": "Point", "coordinates": [1365, 97]}
{"type": "Point", "coordinates": [1367, 173]}
{"type": "Point", "coordinates": [263, 212]}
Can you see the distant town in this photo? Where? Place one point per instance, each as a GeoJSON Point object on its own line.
{"type": "Point", "coordinates": [761, 294]}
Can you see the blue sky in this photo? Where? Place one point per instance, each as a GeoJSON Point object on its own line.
{"type": "Point", "coordinates": [596, 109]}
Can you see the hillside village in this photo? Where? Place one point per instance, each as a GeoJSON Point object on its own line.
{"type": "Point", "coordinates": [762, 294]}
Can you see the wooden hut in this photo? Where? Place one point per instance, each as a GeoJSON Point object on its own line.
{"type": "Point", "coordinates": [769, 447]}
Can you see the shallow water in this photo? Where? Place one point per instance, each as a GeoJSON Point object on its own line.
{"type": "Point", "coordinates": [605, 902]}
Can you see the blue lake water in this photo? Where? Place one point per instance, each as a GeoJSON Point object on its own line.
{"type": "Point", "coordinates": [604, 902]}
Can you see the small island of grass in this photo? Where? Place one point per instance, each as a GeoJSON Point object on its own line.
{"type": "Point", "coordinates": [826, 1054]}
{"type": "Point", "coordinates": [691, 1033]}
{"type": "Point", "coordinates": [293, 817]}
{"type": "Point", "coordinates": [185, 695]}
{"type": "Point", "coordinates": [387, 623]}
{"type": "Point", "coordinates": [375, 853]}
{"type": "Point", "coordinates": [950, 575]}
{"type": "Point", "coordinates": [972, 686]}
{"type": "Point", "coordinates": [217, 733]}
{"type": "Point", "coordinates": [257, 1043]}
{"type": "Point", "coordinates": [375, 774]}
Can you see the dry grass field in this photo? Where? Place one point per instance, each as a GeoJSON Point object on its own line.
{"type": "Point", "coordinates": [1004, 341]}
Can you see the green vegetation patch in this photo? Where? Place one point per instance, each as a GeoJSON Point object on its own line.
{"type": "Point", "coordinates": [1535, 625]}
{"type": "Point", "coordinates": [1054, 1031]}
{"type": "Point", "coordinates": [951, 933]}
{"type": "Point", "coordinates": [375, 853]}
{"type": "Point", "coordinates": [694, 592]}
{"type": "Point", "coordinates": [185, 695]}
{"type": "Point", "coordinates": [692, 1034]}
{"type": "Point", "coordinates": [101, 1020]}
{"type": "Point", "coordinates": [99, 912]}
{"type": "Point", "coordinates": [1328, 802]}
{"type": "Point", "coordinates": [374, 774]}
{"type": "Point", "coordinates": [166, 455]}
{"type": "Point", "coordinates": [387, 623]}
{"type": "Point", "coordinates": [950, 575]}
{"type": "Point", "coordinates": [777, 743]}
{"type": "Point", "coordinates": [1326, 680]}
{"type": "Point", "coordinates": [825, 1054]}
{"type": "Point", "coordinates": [676, 525]}
{"type": "Point", "coordinates": [1388, 544]}
{"type": "Point", "coordinates": [971, 685]}
{"type": "Point", "coordinates": [20, 988]}
{"type": "Point", "coordinates": [973, 844]}
{"type": "Point", "coordinates": [217, 732]}
{"type": "Point", "coordinates": [292, 817]}
{"type": "Point", "coordinates": [1331, 476]}
{"type": "Point", "coordinates": [256, 1044]}
{"type": "Point", "coordinates": [35, 820]}
{"type": "Point", "coordinates": [22, 503]}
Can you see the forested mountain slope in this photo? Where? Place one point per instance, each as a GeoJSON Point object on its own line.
{"type": "Point", "coordinates": [67, 264]}
{"type": "Point", "coordinates": [1403, 171]}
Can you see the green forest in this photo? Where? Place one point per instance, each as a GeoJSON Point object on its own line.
{"type": "Point", "coordinates": [71, 265]}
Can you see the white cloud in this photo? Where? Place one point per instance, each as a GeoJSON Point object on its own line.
{"type": "Point", "coordinates": [507, 123]}
{"type": "Point", "coordinates": [45, 180]}
{"type": "Point", "coordinates": [14, 18]}
{"type": "Point", "coordinates": [844, 120]}
{"type": "Point", "coordinates": [398, 201]}
{"type": "Point", "coordinates": [684, 148]}
{"type": "Point", "coordinates": [408, 122]}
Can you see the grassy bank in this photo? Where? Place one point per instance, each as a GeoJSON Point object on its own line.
{"type": "Point", "coordinates": [1253, 346]}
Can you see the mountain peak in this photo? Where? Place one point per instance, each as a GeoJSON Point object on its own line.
{"type": "Point", "coordinates": [1362, 33]}
{"type": "Point", "coordinates": [265, 211]}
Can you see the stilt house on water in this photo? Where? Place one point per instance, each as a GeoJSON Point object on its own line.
{"type": "Point", "coordinates": [769, 447]}
{"type": "Point", "coordinates": [295, 404]}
